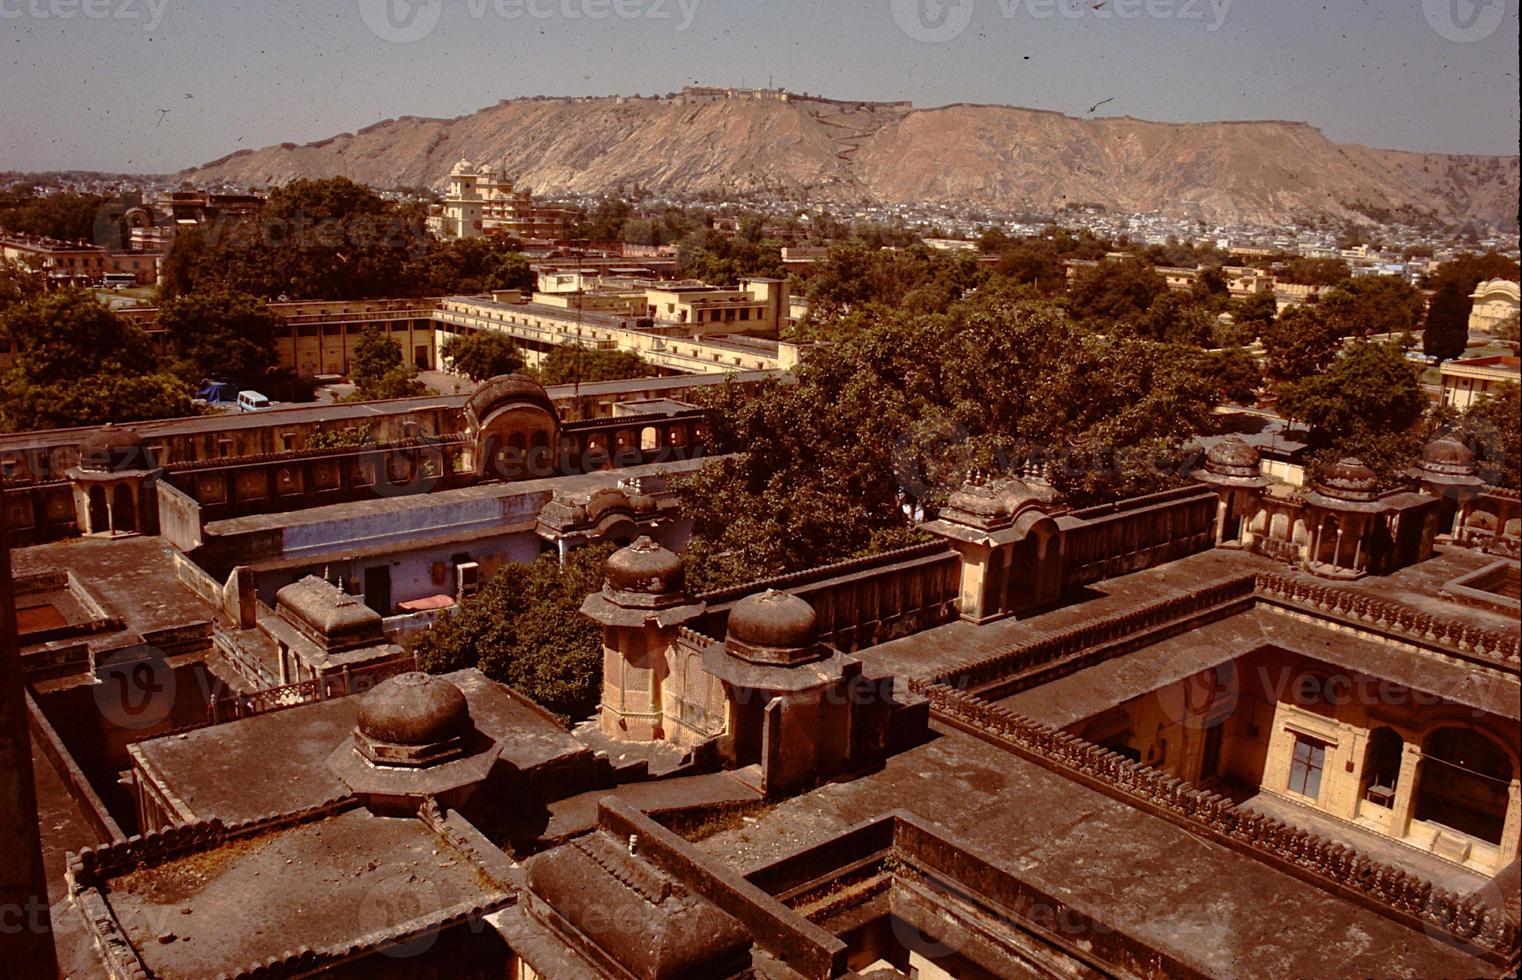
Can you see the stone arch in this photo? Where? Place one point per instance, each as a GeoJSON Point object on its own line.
{"type": "Point", "coordinates": [124, 508]}
{"type": "Point", "coordinates": [649, 439]}
{"type": "Point", "coordinates": [99, 510]}
{"type": "Point", "coordinates": [1381, 763]}
{"type": "Point", "coordinates": [1463, 782]}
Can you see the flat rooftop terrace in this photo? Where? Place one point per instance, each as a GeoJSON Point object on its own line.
{"type": "Point", "coordinates": [335, 880]}
{"type": "Point", "coordinates": [1183, 893]}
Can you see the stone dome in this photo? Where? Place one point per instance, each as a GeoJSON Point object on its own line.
{"type": "Point", "coordinates": [1448, 455]}
{"type": "Point", "coordinates": [505, 390]}
{"type": "Point", "coordinates": [414, 710]}
{"type": "Point", "coordinates": [774, 628]}
{"type": "Point", "coordinates": [113, 449]}
{"type": "Point", "coordinates": [1350, 479]}
{"type": "Point", "coordinates": [644, 567]}
{"type": "Point", "coordinates": [1233, 457]}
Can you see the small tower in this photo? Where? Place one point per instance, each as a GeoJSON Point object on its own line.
{"type": "Point", "coordinates": [642, 604]}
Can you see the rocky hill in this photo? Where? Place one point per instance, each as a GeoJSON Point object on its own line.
{"type": "Point", "coordinates": [993, 156]}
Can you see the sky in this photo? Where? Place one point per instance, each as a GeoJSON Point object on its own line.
{"type": "Point", "coordinates": [84, 83]}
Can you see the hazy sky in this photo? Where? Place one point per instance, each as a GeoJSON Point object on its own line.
{"type": "Point", "coordinates": [83, 92]}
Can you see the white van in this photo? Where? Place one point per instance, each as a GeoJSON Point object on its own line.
{"type": "Point", "coordinates": [252, 401]}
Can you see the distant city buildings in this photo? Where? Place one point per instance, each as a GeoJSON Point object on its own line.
{"type": "Point", "coordinates": [483, 201]}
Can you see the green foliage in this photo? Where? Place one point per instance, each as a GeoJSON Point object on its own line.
{"type": "Point", "coordinates": [1371, 391]}
{"type": "Point", "coordinates": [19, 283]}
{"type": "Point", "coordinates": [525, 630]}
{"type": "Point", "coordinates": [1115, 290]}
{"type": "Point", "coordinates": [350, 438]}
{"type": "Point", "coordinates": [483, 355]}
{"type": "Point", "coordinates": [1447, 329]}
{"type": "Point", "coordinates": [470, 266]}
{"type": "Point", "coordinates": [905, 406]}
{"type": "Point", "coordinates": [66, 217]}
{"type": "Point", "coordinates": [79, 364]}
{"type": "Point", "coordinates": [1176, 318]}
{"type": "Point", "coordinates": [1493, 426]}
{"type": "Point", "coordinates": [854, 277]}
{"type": "Point", "coordinates": [1238, 374]}
{"type": "Point", "coordinates": [720, 260]}
{"type": "Point", "coordinates": [219, 335]}
{"type": "Point", "coordinates": [1373, 305]}
{"type": "Point", "coordinates": [571, 364]}
{"type": "Point", "coordinates": [316, 239]}
{"type": "Point", "coordinates": [1256, 310]}
{"type": "Point", "coordinates": [378, 370]}
{"type": "Point", "coordinates": [1313, 272]}
{"type": "Point", "coordinates": [1468, 270]}
{"type": "Point", "coordinates": [1300, 343]}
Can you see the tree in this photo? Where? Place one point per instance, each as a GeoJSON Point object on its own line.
{"type": "Point", "coordinates": [219, 335]}
{"type": "Point", "coordinates": [67, 217]}
{"type": "Point", "coordinates": [1493, 425]}
{"type": "Point", "coordinates": [378, 370]}
{"type": "Point", "coordinates": [1371, 390]}
{"type": "Point", "coordinates": [524, 629]}
{"type": "Point", "coordinates": [1313, 272]}
{"type": "Point", "coordinates": [571, 364]}
{"type": "Point", "coordinates": [79, 364]}
{"type": "Point", "coordinates": [1468, 270]}
{"type": "Point", "coordinates": [1300, 343]}
{"type": "Point", "coordinates": [1177, 318]}
{"type": "Point", "coordinates": [1373, 305]}
{"type": "Point", "coordinates": [1447, 330]}
{"type": "Point", "coordinates": [1255, 309]}
{"type": "Point", "coordinates": [483, 355]}
{"type": "Point", "coordinates": [19, 283]}
{"type": "Point", "coordinates": [1115, 290]}
{"type": "Point", "coordinates": [904, 406]}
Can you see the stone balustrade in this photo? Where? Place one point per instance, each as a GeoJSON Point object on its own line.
{"type": "Point", "coordinates": [1390, 617]}
{"type": "Point", "coordinates": [1337, 866]}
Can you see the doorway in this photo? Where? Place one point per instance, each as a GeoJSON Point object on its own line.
{"type": "Point", "coordinates": [378, 589]}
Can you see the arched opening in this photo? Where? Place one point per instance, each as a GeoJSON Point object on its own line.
{"type": "Point", "coordinates": [1327, 541]}
{"type": "Point", "coordinates": [1381, 767]}
{"type": "Point", "coordinates": [1464, 783]}
{"type": "Point", "coordinates": [124, 509]}
{"type": "Point", "coordinates": [100, 511]}
{"type": "Point", "coordinates": [649, 438]}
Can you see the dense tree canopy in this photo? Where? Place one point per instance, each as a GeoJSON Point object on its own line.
{"type": "Point", "coordinates": [1372, 305]}
{"type": "Point", "coordinates": [226, 336]}
{"type": "Point", "coordinates": [1447, 328]}
{"type": "Point", "coordinates": [65, 216]}
{"type": "Point", "coordinates": [570, 364]}
{"type": "Point", "coordinates": [77, 363]}
{"type": "Point", "coordinates": [525, 630]}
{"type": "Point", "coordinates": [1300, 343]}
{"type": "Point", "coordinates": [1372, 390]}
{"type": "Point", "coordinates": [904, 407]}
{"type": "Point", "coordinates": [1468, 270]}
{"type": "Point", "coordinates": [1493, 426]}
{"type": "Point", "coordinates": [1123, 289]}
{"type": "Point", "coordinates": [484, 354]}
{"type": "Point", "coordinates": [379, 371]}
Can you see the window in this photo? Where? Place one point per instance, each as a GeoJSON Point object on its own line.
{"type": "Point", "coordinates": [1305, 767]}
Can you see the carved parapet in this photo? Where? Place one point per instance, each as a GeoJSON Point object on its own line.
{"type": "Point", "coordinates": [1332, 863]}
